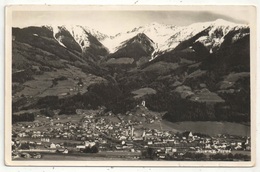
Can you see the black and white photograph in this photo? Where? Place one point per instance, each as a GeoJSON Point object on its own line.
{"type": "Point", "coordinates": [140, 85]}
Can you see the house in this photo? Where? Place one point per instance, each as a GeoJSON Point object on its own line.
{"type": "Point", "coordinates": [143, 103]}
{"type": "Point", "coordinates": [52, 146]}
{"type": "Point", "coordinates": [26, 155]}
{"type": "Point", "coordinates": [37, 156]}
{"type": "Point", "coordinates": [239, 143]}
{"type": "Point", "coordinates": [248, 147]}
{"type": "Point", "coordinates": [63, 150]}
{"type": "Point", "coordinates": [233, 144]}
{"type": "Point", "coordinates": [57, 136]}
{"type": "Point", "coordinates": [169, 140]}
{"type": "Point", "coordinates": [45, 139]}
{"type": "Point", "coordinates": [176, 142]}
{"type": "Point", "coordinates": [168, 149]}
{"type": "Point", "coordinates": [161, 155]}
{"type": "Point", "coordinates": [80, 146]}
{"type": "Point", "coordinates": [207, 146]}
{"type": "Point", "coordinates": [129, 145]}
{"type": "Point", "coordinates": [247, 141]}
{"type": "Point", "coordinates": [89, 144]}
{"type": "Point", "coordinates": [38, 143]}
{"type": "Point", "coordinates": [22, 134]}
{"type": "Point", "coordinates": [57, 145]}
{"type": "Point", "coordinates": [238, 147]}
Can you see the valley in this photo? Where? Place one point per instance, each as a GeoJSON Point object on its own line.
{"type": "Point", "coordinates": [76, 84]}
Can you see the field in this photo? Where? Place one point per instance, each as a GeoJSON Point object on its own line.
{"type": "Point", "coordinates": [206, 96]}
{"type": "Point", "coordinates": [210, 128]}
{"type": "Point", "coordinates": [161, 68]}
{"type": "Point", "coordinates": [143, 91]}
{"type": "Point", "coordinates": [42, 85]}
{"type": "Point", "coordinates": [160, 126]}
{"type": "Point", "coordinates": [231, 79]}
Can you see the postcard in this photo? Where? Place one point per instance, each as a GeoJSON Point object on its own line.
{"type": "Point", "coordinates": [130, 85]}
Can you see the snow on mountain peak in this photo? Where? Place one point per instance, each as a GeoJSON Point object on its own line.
{"type": "Point", "coordinates": [159, 33]}
{"type": "Point", "coordinates": [223, 22]}
{"type": "Point", "coordinates": [216, 31]}
{"type": "Point", "coordinates": [55, 29]}
{"type": "Point", "coordinates": [79, 33]}
{"type": "Point", "coordinates": [165, 37]}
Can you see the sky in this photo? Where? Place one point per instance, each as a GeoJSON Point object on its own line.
{"type": "Point", "coordinates": [113, 22]}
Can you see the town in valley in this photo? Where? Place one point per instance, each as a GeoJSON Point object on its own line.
{"type": "Point", "coordinates": [93, 134]}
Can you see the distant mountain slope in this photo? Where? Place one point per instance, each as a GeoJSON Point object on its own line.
{"type": "Point", "coordinates": [42, 37]}
{"type": "Point", "coordinates": [136, 47]}
{"type": "Point", "coordinates": [42, 66]}
{"type": "Point", "coordinates": [191, 81]}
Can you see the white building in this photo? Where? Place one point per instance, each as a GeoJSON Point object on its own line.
{"type": "Point", "coordinates": [52, 146]}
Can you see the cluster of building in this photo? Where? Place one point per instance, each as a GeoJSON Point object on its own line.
{"type": "Point", "coordinates": [121, 135]}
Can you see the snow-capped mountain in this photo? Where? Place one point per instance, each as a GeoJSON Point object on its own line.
{"type": "Point", "coordinates": [86, 38]}
{"type": "Point", "coordinates": [100, 36]}
{"type": "Point", "coordinates": [216, 32]}
{"type": "Point", "coordinates": [167, 37]}
{"type": "Point", "coordinates": [159, 33]}
{"type": "Point", "coordinates": [79, 33]}
{"type": "Point", "coordinates": [164, 37]}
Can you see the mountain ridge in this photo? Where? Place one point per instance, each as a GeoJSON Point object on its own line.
{"type": "Point", "coordinates": [166, 37]}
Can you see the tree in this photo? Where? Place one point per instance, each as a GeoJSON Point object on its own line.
{"type": "Point", "coordinates": [93, 149]}
{"type": "Point", "coordinates": [25, 146]}
{"type": "Point", "coordinates": [48, 112]}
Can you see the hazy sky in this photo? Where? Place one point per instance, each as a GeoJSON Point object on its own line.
{"type": "Point", "coordinates": [112, 22]}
